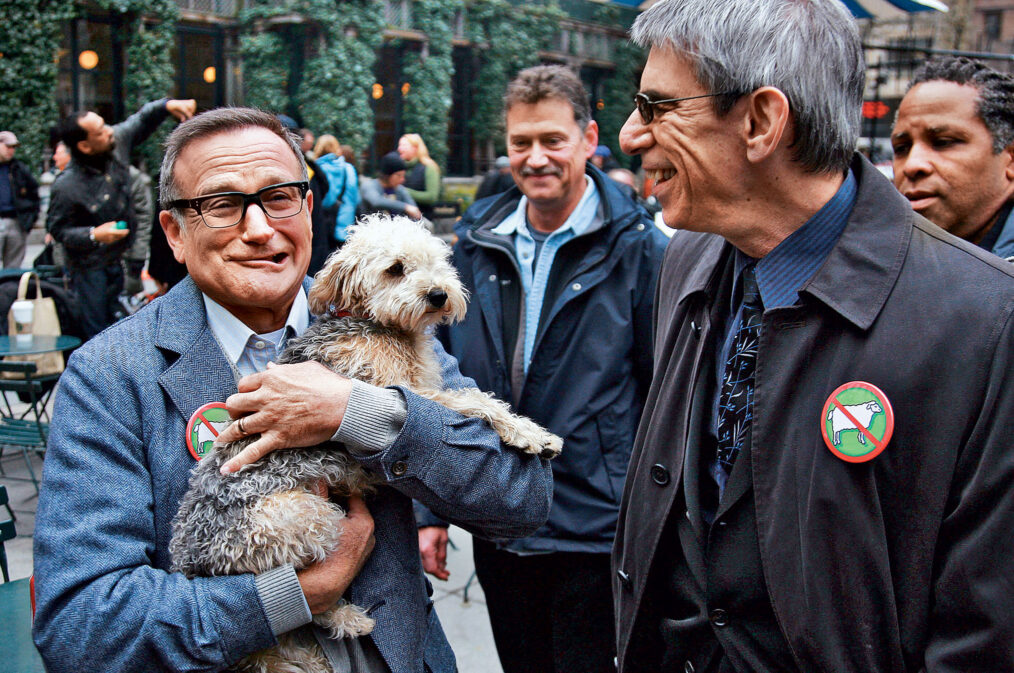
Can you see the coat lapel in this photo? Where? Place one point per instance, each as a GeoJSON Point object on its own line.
{"type": "Point", "coordinates": [201, 374]}
{"type": "Point", "coordinates": [862, 268]}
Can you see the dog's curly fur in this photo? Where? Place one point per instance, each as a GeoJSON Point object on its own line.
{"type": "Point", "coordinates": [378, 297]}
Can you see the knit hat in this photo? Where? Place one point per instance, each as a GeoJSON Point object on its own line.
{"type": "Point", "coordinates": [391, 163]}
{"type": "Point", "coordinates": [9, 139]}
{"type": "Point", "coordinates": [288, 122]}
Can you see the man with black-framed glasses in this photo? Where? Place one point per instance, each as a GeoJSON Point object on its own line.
{"type": "Point", "coordinates": [236, 211]}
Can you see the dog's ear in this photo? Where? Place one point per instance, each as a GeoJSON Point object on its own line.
{"type": "Point", "coordinates": [328, 286]}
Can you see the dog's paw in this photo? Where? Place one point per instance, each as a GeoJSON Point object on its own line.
{"type": "Point", "coordinates": [552, 446]}
{"type": "Point", "coordinates": [530, 437]}
{"type": "Point", "coordinates": [346, 620]}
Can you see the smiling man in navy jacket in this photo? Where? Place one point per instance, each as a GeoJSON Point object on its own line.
{"type": "Point", "coordinates": [562, 272]}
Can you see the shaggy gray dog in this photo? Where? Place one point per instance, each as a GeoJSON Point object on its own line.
{"type": "Point", "coordinates": [377, 297]}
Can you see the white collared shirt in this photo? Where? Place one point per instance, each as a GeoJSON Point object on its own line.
{"type": "Point", "coordinates": [248, 351]}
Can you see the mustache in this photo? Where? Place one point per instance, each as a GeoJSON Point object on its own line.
{"type": "Point", "coordinates": [547, 170]}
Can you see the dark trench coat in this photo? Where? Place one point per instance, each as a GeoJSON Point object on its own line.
{"type": "Point", "coordinates": [902, 563]}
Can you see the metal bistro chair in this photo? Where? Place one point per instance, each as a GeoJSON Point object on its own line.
{"type": "Point", "coordinates": [27, 430]}
{"type": "Point", "coordinates": [7, 532]}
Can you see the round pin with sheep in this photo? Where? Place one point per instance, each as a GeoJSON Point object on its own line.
{"type": "Point", "coordinates": [857, 422]}
{"type": "Point", "coordinates": [204, 426]}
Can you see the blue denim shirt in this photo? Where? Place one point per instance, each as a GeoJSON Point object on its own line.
{"type": "Point", "coordinates": [535, 272]}
{"type": "Point", "coordinates": [117, 466]}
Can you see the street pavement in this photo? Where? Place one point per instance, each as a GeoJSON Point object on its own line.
{"type": "Point", "coordinates": [465, 622]}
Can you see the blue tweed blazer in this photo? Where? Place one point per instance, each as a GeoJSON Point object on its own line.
{"type": "Point", "coordinates": [117, 467]}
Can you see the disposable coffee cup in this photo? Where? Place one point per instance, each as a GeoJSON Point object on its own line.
{"type": "Point", "coordinates": [23, 315]}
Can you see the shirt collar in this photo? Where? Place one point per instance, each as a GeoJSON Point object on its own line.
{"type": "Point", "coordinates": [783, 271]}
{"type": "Point", "coordinates": [1004, 218]}
{"type": "Point", "coordinates": [233, 334]}
{"type": "Point", "coordinates": [580, 220]}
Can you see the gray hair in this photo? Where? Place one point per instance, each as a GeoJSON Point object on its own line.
{"type": "Point", "coordinates": [995, 103]}
{"type": "Point", "coordinates": [211, 123]}
{"type": "Point", "coordinates": [808, 49]}
{"type": "Point", "coordinates": [536, 84]}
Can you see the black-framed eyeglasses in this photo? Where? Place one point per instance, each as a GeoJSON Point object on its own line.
{"type": "Point", "coordinates": [226, 209]}
{"type": "Point", "coordinates": [646, 106]}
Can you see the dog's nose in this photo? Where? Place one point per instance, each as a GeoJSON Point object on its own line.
{"type": "Point", "coordinates": [437, 298]}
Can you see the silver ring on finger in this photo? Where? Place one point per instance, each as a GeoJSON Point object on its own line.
{"type": "Point", "coordinates": [240, 424]}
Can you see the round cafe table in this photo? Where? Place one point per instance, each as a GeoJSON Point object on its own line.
{"type": "Point", "coordinates": [37, 344]}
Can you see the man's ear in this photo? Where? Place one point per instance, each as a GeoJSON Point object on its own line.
{"type": "Point", "coordinates": [173, 234]}
{"type": "Point", "coordinates": [83, 147]}
{"type": "Point", "coordinates": [1009, 156]}
{"type": "Point", "coordinates": [765, 123]}
{"type": "Point", "coordinates": [591, 138]}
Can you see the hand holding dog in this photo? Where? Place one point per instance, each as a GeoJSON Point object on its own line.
{"type": "Point", "coordinates": [291, 406]}
{"type": "Point", "coordinates": [324, 583]}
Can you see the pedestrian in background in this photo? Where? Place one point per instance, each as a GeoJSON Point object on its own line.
{"type": "Point", "coordinates": [342, 198]}
{"type": "Point", "coordinates": [91, 210]}
{"type": "Point", "coordinates": [322, 227]}
{"type": "Point", "coordinates": [19, 202]}
{"type": "Point", "coordinates": [953, 143]}
{"type": "Point", "coordinates": [387, 193]}
{"type": "Point", "coordinates": [497, 180]}
{"type": "Point", "coordinates": [53, 254]}
{"type": "Point", "coordinates": [603, 159]}
{"type": "Point", "coordinates": [306, 141]}
{"type": "Point", "coordinates": [422, 175]}
{"type": "Point", "coordinates": [561, 270]}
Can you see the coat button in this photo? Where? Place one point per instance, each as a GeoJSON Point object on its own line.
{"type": "Point", "coordinates": [492, 278]}
{"type": "Point", "coordinates": [719, 617]}
{"type": "Point", "coordinates": [624, 579]}
{"type": "Point", "coordinates": [399, 468]}
{"type": "Point", "coordinates": [576, 287]}
{"type": "Point", "coordinates": [659, 474]}
{"type": "Point", "coordinates": [640, 227]}
{"type": "Point", "coordinates": [688, 667]}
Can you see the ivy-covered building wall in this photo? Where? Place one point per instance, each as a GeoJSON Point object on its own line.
{"type": "Point", "coordinates": [28, 71]}
{"type": "Point", "coordinates": [317, 61]}
{"type": "Point", "coordinates": [30, 58]}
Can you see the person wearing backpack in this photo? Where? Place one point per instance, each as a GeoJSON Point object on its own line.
{"type": "Point", "coordinates": [343, 196]}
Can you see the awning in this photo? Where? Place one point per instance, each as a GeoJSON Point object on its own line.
{"type": "Point", "coordinates": [863, 9]}
{"type": "Point", "coordinates": [890, 9]}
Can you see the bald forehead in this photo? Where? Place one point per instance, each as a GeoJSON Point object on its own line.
{"type": "Point", "coordinates": [91, 122]}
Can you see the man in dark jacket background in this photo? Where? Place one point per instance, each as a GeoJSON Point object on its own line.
{"type": "Point", "coordinates": [953, 143]}
{"type": "Point", "coordinates": [93, 197]}
{"type": "Point", "coordinates": [561, 270]}
{"type": "Point", "coordinates": [19, 202]}
{"type": "Point", "coordinates": [823, 477]}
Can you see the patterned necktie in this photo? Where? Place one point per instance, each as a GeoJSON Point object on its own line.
{"type": "Point", "coordinates": [735, 409]}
